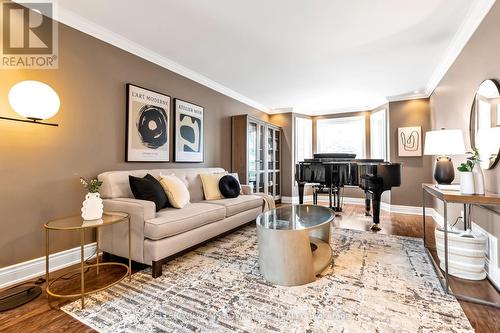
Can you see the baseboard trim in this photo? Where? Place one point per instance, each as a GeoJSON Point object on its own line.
{"type": "Point", "coordinates": [295, 200]}
{"type": "Point", "coordinates": [28, 270]}
{"type": "Point", "coordinates": [491, 264]}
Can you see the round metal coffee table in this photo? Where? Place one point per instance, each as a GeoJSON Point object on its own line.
{"type": "Point", "coordinates": [294, 243]}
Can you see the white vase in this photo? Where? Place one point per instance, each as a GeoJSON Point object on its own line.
{"type": "Point", "coordinates": [466, 182]}
{"type": "Point", "coordinates": [478, 179]}
{"type": "Point", "coordinates": [92, 208]}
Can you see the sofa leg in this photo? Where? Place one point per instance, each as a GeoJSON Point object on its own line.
{"type": "Point", "coordinates": [156, 268]}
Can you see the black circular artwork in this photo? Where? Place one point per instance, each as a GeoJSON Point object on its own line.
{"type": "Point", "coordinates": [152, 126]}
{"type": "Point", "coordinates": [229, 186]}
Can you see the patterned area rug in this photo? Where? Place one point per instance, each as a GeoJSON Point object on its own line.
{"type": "Point", "coordinates": [377, 283]}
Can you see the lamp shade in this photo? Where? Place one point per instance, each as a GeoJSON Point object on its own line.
{"type": "Point", "coordinates": [34, 100]}
{"type": "Point", "coordinates": [444, 142]}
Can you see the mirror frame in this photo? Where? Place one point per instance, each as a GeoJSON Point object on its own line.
{"type": "Point", "coordinates": [472, 131]}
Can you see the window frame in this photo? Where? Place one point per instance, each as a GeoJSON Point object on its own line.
{"type": "Point", "coordinates": [385, 143]}
{"type": "Point", "coordinates": [297, 120]}
{"type": "Point", "coordinates": [339, 120]}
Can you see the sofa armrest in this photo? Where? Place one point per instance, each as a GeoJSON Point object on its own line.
{"type": "Point", "coordinates": [246, 189]}
{"type": "Point", "coordinates": [114, 238]}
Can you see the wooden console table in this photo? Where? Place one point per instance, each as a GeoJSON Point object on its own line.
{"type": "Point", "coordinates": [485, 201]}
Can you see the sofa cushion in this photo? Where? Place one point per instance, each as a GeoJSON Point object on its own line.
{"type": "Point", "coordinates": [229, 186]}
{"type": "Point", "coordinates": [173, 221]}
{"type": "Point", "coordinates": [210, 183]}
{"type": "Point", "coordinates": [176, 190]}
{"type": "Point", "coordinates": [240, 204]}
{"type": "Point", "coordinates": [148, 188]}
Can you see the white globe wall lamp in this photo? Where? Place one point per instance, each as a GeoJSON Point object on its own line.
{"type": "Point", "coordinates": [35, 101]}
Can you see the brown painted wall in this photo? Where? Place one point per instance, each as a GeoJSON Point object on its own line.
{"type": "Point", "coordinates": [451, 100]}
{"type": "Point", "coordinates": [40, 165]}
{"type": "Point", "coordinates": [416, 170]}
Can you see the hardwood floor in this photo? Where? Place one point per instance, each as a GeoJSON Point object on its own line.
{"type": "Point", "coordinates": [483, 318]}
{"type": "Point", "coordinates": [42, 315]}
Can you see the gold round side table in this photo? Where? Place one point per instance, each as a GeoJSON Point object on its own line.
{"type": "Point", "coordinates": [76, 223]}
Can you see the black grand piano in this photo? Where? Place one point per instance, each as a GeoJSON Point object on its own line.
{"type": "Point", "coordinates": [329, 173]}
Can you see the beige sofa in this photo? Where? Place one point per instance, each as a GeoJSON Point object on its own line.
{"type": "Point", "coordinates": [156, 236]}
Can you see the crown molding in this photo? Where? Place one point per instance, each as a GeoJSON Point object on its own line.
{"type": "Point", "coordinates": [77, 22]}
{"type": "Point", "coordinates": [313, 113]}
{"type": "Point", "coordinates": [475, 16]}
{"type": "Point", "coordinates": [407, 97]}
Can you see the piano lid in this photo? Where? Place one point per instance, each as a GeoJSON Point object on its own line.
{"type": "Point", "coordinates": [341, 158]}
{"type": "Point", "coordinates": [335, 156]}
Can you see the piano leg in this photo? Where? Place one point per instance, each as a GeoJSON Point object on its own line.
{"type": "Point", "coordinates": [315, 195]}
{"type": "Point", "coordinates": [376, 211]}
{"type": "Point", "coordinates": [301, 193]}
{"type": "Point", "coordinates": [337, 203]}
{"type": "Point", "coordinates": [367, 203]}
{"type": "Point", "coordinates": [330, 194]}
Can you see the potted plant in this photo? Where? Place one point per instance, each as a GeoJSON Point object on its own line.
{"type": "Point", "coordinates": [466, 176]}
{"type": "Point", "coordinates": [92, 207]}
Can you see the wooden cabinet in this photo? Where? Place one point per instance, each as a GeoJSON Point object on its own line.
{"type": "Point", "coordinates": [256, 154]}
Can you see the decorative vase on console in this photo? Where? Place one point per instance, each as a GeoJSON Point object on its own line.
{"type": "Point", "coordinates": [477, 172]}
{"type": "Point", "coordinates": [92, 207]}
{"type": "Point", "coordinates": [466, 182]}
{"type": "Point", "coordinates": [478, 179]}
{"type": "Point", "coordinates": [469, 176]}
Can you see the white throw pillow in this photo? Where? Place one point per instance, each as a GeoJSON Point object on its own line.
{"type": "Point", "coordinates": [176, 190]}
{"type": "Point", "coordinates": [210, 183]}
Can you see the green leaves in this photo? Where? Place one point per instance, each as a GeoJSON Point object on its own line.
{"type": "Point", "coordinates": [92, 185]}
{"type": "Point", "coordinates": [471, 161]}
{"type": "Point", "coordinates": [466, 167]}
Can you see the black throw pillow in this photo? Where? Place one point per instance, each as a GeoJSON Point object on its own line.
{"type": "Point", "coordinates": [229, 186]}
{"type": "Point", "coordinates": [148, 188]}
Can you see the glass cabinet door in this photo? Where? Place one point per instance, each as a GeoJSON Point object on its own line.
{"type": "Point", "coordinates": [270, 149]}
{"type": "Point", "coordinates": [262, 142]}
{"type": "Point", "coordinates": [277, 185]}
{"type": "Point", "coordinates": [261, 183]}
{"type": "Point", "coordinates": [276, 150]}
{"type": "Point", "coordinates": [277, 179]}
{"type": "Point", "coordinates": [264, 158]}
{"type": "Point", "coordinates": [270, 183]}
{"type": "Point", "coordinates": [252, 155]}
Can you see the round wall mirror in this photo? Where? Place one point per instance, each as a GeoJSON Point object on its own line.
{"type": "Point", "coordinates": [485, 123]}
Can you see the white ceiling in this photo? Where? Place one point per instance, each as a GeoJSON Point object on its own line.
{"type": "Point", "coordinates": [316, 56]}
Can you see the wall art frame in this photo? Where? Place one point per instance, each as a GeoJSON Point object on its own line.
{"type": "Point", "coordinates": [189, 141]}
{"type": "Point", "coordinates": [147, 126]}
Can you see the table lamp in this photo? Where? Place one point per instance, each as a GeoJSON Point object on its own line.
{"type": "Point", "coordinates": [444, 143]}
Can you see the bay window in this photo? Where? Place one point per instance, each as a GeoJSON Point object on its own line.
{"type": "Point", "coordinates": [341, 135]}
